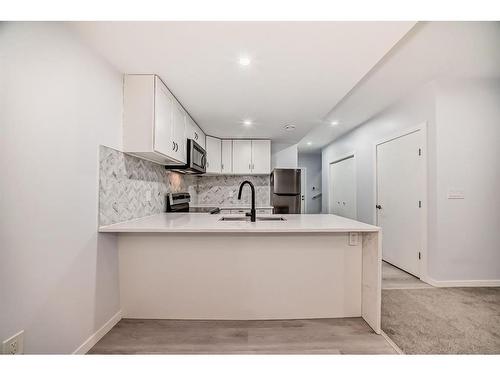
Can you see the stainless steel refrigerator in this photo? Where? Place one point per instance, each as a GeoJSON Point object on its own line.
{"type": "Point", "coordinates": [285, 191]}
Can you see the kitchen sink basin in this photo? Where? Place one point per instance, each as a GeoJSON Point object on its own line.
{"type": "Point", "coordinates": [247, 218]}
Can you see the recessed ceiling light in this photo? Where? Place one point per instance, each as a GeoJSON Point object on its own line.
{"type": "Point", "coordinates": [244, 61]}
{"type": "Point", "coordinates": [289, 127]}
{"type": "Point", "coordinates": [247, 122]}
{"type": "Point", "coordinates": [334, 123]}
{"type": "Point", "coordinates": [309, 143]}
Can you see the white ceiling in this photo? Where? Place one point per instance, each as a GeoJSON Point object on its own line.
{"type": "Point", "coordinates": [299, 70]}
{"type": "Point", "coordinates": [430, 51]}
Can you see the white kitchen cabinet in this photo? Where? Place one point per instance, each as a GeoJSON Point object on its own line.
{"type": "Point", "coordinates": [213, 154]}
{"type": "Point", "coordinates": [227, 156]}
{"type": "Point", "coordinates": [179, 132]}
{"type": "Point", "coordinates": [261, 156]}
{"type": "Point", "coordinates": [242, 156]}
{"type": "Point", "coordinates": [153, 121]}
{"type": "Point", "coordinates": [193, 131]}
{"type": "Point", "coordinates": [251, 156]}
{"type": "Point", "coordinates": [163, 140]}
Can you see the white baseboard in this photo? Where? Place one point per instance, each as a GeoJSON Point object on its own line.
{"type": "Point", "coordinates": [99, 334]}
{"type": "Point", "coordinates": [462, 283]}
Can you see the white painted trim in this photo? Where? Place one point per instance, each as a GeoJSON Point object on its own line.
{"type": "Point", "coordinates": [462, 283]}
{"type": "Point", "coordinates": [391, 343]}
{"type": "Point", "coordinates": [99, 334]}
{"type": "Point", "coordinates": [425, 202]}
{"type": "Point", "coordinates": [351, 154]}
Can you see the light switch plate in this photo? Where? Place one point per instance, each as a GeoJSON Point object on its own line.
{"type": "Point", "coordinates": [14, 344]}
{"type": "Point", "coordinates": [353, 238]}
{"type": "Point", "coordinates": [148, 195]}
{"type": "Point", "coordinates": [456, 194]}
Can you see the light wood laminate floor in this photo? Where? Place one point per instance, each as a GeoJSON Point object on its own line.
{"type": "Point", "coordinates": [305, 336]}
{"type": "Point", "coordinates": [395, 278]}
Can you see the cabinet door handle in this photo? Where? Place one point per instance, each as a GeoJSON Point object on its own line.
{"type": "Point", "coordinates": [222, 166]}
{"type": "Point", "coordinates": [173, 145]}
{"type": "Point", "coordinates": [250, 166]}
{"type": "Point", "coordinates": [195, 135]}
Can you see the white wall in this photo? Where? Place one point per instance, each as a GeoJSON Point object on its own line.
{"type": "Point", "coordinates": [312, 163]}
{"type": "Point", "coordinates": [463, 139]}
{"type": "Point", "coordinates": [468, 157]}
{"type": "Point", "coordinates": [406, 114]}
{"type": "Point", "coordinates": [284, 155]}
{"type": "Point", "coordinates": [58, 102]}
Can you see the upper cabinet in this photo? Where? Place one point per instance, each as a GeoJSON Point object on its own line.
{"type": "Point", "coordinates": [261, 156]}
{"type": "Point", "coordinates": [179, 131]}
{"type": "Point", "coordinates": [227, 156]}
{"type": "Point", "coordinates": [242, 156]}
{"type": "Point", "coordinates": [238, 156]}
{"type": "Point", "coordinates": [252, 156]}
{"type": "Point", "coordinates": [213, 155]}
{"type": "Point", "coordinates": [194, 132]}
{"type": "Point", "coordinates": [155, 125]}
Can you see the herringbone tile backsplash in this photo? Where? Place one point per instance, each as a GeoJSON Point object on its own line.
{"type": "Point", "coordinates": [124, 181]}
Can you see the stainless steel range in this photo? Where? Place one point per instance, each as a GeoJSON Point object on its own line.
{"type": "Point", "coordinates": [179, 202]}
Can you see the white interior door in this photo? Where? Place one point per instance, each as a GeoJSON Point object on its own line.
{"type": "Point", "coordinates": [399, 194]}
{"type": "Point", "coordinates": [343, 188]}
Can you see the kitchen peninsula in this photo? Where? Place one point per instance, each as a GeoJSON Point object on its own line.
{"type": "Point", "coordinates": [197, 266]}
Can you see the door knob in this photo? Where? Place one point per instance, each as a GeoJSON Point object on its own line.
{"type": "Point", "coordinates": [378, 206]}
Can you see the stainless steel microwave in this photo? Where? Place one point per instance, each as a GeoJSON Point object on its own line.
{"type": "Point", "coordinates": [196, 159]}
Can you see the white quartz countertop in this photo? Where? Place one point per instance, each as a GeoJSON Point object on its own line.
{"type": "Point", "coordinates": [206, 223]}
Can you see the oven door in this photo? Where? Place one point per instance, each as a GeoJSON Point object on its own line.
{"type": "Point", "coordinates": [197, 157]}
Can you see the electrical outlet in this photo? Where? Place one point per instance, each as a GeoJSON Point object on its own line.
{"type": "Point", "coordinates": [353, 238]}
{"type": "Point", "coordinates": [14, 344]}
{"type": "Point", "coordinates": [148, 195]}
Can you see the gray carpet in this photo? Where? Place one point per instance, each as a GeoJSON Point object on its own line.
{"type": "Point", "coordinates": [443, 320]}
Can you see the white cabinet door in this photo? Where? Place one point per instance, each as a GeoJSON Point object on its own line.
{"type": "Point", "coordinates": [261, 156]}
{"type": "Point", "coordinates": [213, 154]}
{"type": "Point", "coordinates": [194, 132]}
{"type": "Point", "coordinates": [163, 123]}
{"type": "Point", "coordinates": [242, 156]}
{"type": "Point", "coordinates": [179, 132]}
{"type": "Point", "coordinates": [199, 136]}
{"type": "Point", "coordinates": [227, 156]}
{"type": "Point", "coordinates": [190, 127]}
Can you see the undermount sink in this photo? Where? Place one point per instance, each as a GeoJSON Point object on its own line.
{"type": "Point", "coordinates": [247, 218]}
